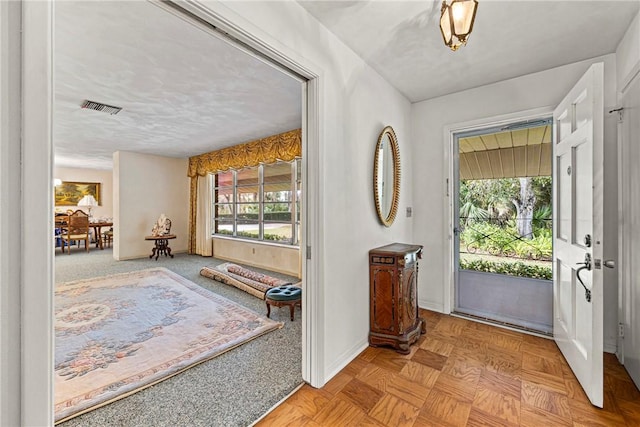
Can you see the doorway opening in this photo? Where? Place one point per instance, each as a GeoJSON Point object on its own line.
{"type": "Point", "coordinates": [503, 225]}
{"type": "Point", "coordinates": [303, 221]}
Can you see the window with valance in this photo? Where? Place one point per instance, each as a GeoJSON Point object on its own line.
{"type": "Point", "coordinates": [256, 189]}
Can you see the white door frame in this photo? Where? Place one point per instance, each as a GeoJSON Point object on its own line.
{"type": "Point", "coordinates": [448, 290]}
{"type": "Point", "coordinates": [36, 267]}
{"type": "Point", "coordinates": [36, 264]}
{"type": "Point", "coordinates": [11, 215]}
{"type": "Point", "coordinates": [628, 303]}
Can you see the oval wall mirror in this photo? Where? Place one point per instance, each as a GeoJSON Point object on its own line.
{"type": "Point", "coordinates": [386, 176]}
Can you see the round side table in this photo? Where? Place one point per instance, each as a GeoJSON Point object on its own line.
{"type": "Point", "coordinates": [161, 245]}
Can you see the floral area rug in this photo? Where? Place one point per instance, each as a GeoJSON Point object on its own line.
{"type": "Point", "coordinates": [116, 335]}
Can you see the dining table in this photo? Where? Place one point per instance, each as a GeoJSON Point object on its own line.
{"type": "Point", "coordinates": [97, 230]}
{"type": "Point", "coordinates": [97, 225]}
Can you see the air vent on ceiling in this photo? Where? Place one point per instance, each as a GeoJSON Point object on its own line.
{"type": "Point", "coordinates": [92, 105]}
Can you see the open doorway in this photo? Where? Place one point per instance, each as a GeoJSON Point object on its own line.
{"type": "Point", "coordinates": [503, 225]}
{"type": "Point", "coordinates": [252, 361]}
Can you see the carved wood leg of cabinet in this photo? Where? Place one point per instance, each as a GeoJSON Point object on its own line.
{"type": "Point", "coordinates": [423, 327]}
{"type": "Point", "coordinates": [403, 348]}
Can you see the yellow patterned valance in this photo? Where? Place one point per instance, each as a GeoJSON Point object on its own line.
{"type": "Point", "coordinates": [285, 147]}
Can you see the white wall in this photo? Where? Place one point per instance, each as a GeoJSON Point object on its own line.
{"type": "Point", "coordinates": [282, 258]}
{"type": "Point", "coordinates": [355, 105]}
{"type": "Point", "coordinates": [145, 186]}
{"type": "Point", "coordinates": [104, 177]}
{"type": "Point", "coordinates": [628, 54]}
{"type": "Point", "coordinates": [429, 119]}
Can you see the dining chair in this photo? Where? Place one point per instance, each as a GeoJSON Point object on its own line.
{"type": "Point", "coordinates": [77, 229]}
{"type": "Point", "coordinates": [107, 238]}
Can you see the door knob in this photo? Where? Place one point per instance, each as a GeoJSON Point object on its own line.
{"type": "Point", "coordinates": [610, 263]}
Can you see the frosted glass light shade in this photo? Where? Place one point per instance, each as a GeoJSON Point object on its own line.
{"type": "Point", "coordinates": [456, 20]}
{"type": "Point", "coordinates": [445, 27]}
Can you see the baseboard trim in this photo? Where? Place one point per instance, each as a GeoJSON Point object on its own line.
{"type": "Point", "coordinates": [610, 347]}
{"type": "Point", "coordinates": [128, 258]}
{"type": "Point", "coordinates": [344, 359]}
{"type": "Point", "coordinates": [429, 305]}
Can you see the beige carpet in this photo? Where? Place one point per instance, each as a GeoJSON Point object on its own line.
{"type": "Point", "coordinates": [118, 334]}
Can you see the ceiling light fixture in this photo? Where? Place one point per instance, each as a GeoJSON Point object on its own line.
{"type": "Point", "coordinates": [456, 20]}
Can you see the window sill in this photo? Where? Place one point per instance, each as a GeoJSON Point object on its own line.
{"type": "Point", "coordinates": [256, 242]}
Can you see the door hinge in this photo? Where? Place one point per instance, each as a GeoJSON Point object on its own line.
{"type": "Point", "coordinates": [621, 330]}
{"type": "Point", "coordinates": [620, 112]}
{"type": "Point", "coordinates": [308, 252]}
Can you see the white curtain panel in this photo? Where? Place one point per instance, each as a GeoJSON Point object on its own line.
{"type": "Point", "coordinates": [204, 244]}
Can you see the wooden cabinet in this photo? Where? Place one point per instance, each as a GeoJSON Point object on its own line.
{"type": "Point", "coordinates": [393, 294]}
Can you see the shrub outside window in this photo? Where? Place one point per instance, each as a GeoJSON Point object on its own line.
{"type": "Point", "coordinates": [259, 203]}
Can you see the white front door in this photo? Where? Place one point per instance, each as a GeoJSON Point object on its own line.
{"type": "Point", "coordinates": [578, 230]}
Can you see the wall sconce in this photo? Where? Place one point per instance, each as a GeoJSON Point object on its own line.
{"type": "Point", "coordinates": [456, 20]}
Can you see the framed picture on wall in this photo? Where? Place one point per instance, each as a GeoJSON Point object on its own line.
{"type": "Point", "coordinates": [69, 193]}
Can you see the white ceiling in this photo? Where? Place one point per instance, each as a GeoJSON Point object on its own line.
{"type": "Point", "coordinates": [185, 91]}
{"type": "Point", "coordinates": [402, 41]}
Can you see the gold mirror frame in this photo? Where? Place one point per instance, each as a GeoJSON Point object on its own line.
{"type": "Point", "coordinates": [387, 219]}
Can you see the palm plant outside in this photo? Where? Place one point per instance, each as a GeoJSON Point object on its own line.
{"type": "Point", "coordinates": [506, 226]}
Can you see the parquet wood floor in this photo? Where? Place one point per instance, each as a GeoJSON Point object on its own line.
{"type": "Point", "coordinates": [461, 373]}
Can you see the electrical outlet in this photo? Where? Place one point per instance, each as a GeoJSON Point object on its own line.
{"type": "Point", "coordinates": [409, 211]}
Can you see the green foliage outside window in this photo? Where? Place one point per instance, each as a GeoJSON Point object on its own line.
{"type": "Point", "coordinates": [493, 198]}
{"type": "Point", "coordinates": [494, 239]}
{"type": "Point", "coordinates": [488, 218]}
{"type": "Point", "coordinates": [252, 235]}
{"type": "Point", "coordinates": [493, 215]}
{"type": "Point", "coordinates": [268, 216]}
{"type": "Point", "coordinates": [258, 200]}
{"type": "Point", "coordinates": [516, 268]}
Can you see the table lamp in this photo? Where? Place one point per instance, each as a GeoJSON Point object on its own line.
{"type": "Point", "coordinates": [89, 202]}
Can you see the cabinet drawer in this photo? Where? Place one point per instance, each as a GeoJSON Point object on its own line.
{"type": "Point", "coordinates": [383, 260]}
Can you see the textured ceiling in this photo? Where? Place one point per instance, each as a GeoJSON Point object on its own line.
{"type": "Point", "coordinates": [183, 91]}
{"type": "Point", "coordinates": [402, 41]}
